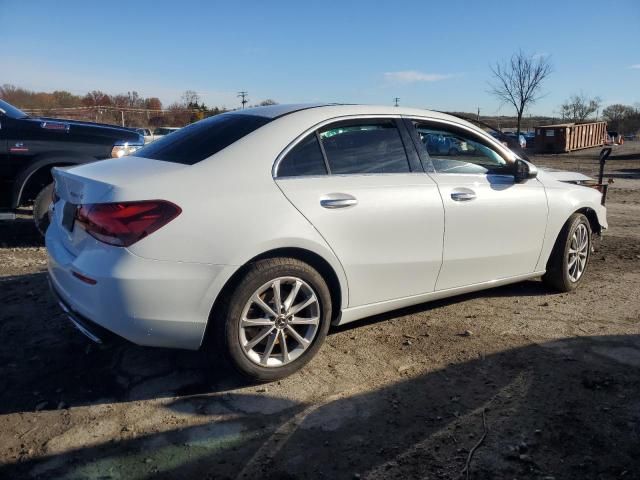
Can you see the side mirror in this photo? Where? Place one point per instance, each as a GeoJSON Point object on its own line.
{"type": "Point", "coordinates": [524, 171]}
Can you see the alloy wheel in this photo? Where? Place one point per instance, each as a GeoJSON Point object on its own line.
{"type": "Point", "coordinates": [578, 252]}
{"type": "Point", "coordinates": [279, 322]}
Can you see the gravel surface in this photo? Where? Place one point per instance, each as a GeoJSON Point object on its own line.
{"type": "Point", "coordinates": [544, 385]}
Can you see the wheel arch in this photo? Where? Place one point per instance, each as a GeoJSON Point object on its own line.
{"type": "Point", "coordinates": [336, 287]}
{"type": "Point", "coordinates": [35, 177]}
{"type": "Point", "coordinates": [592, 216]}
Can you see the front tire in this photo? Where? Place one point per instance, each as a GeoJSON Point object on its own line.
{"type": "Point", "coordinates": [569, 258]}
{"type": "Point", "coordinates": [275, 319]}
{"type": "Point", "coordinates": [41, 209]}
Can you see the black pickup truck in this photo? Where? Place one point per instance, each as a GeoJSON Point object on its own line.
{"type": "Point", "coordinates": [31, 146]}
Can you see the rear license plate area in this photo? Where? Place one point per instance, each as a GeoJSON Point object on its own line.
{"type": "Point", "coordinates": [69, 215]}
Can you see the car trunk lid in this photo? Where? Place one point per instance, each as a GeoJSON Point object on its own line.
{"type": "Point", "coordinates": [98, 182]}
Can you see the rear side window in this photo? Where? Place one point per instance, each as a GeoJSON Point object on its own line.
{"type": "Point", "coordinates": [303, 159]}
{"type": "Point", "coordinates": [364, 147]}
{"type": "Point", "coordinates": [200, 140]}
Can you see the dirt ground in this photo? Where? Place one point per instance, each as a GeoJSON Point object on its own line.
{"type": "Point", "coordinates": [554, 379]}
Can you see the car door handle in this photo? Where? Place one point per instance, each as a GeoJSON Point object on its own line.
{"type": "Point", "coordinates": [338, 200]}
{"type": "Point", "coordinates": [463, 196]}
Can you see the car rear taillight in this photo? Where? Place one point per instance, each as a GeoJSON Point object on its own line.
{"type": "Point", "coordinates": [124, 223]}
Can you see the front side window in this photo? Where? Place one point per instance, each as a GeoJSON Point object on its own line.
{"type": "Point", "coordinates": [303, 159]}
{"type": "Point", "coordinates": [452, 151]}
{"type": "Point", "coordinates": [361, 147]}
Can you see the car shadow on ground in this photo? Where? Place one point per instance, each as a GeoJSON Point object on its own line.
{"type": "Point", "coordinates": [630, 173]}
{"type": "Point", "coordinates": [19, 233]}
{"type": "Point", "coordinates": [46, 351]}
{"type": "Point", "coordinates": [566, 409]}
{"type": "Point", "coordinates": [625, 156]}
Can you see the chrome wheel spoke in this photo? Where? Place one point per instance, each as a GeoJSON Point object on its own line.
{"type": "Point", "coordinates": [263, 305]}
{"type": "Point", "coordinates": [269, 348]}
{"type": "Point", "coordinates": [283, 346]}
{"type": "Point", "coordinates": [292, 295]}
{"type": "Point", "coordinates": [301, 306]}
{"type": "Point", "coordinates": [304, 321]}
{"type": "Point", "coordinates": [277, 299]}
{"type": "Point", "coordinates": [256, 322]}
{"type": "Point", "coordinates": [258, 338]}
{"type": "Point", "coordinates": [296, 336]}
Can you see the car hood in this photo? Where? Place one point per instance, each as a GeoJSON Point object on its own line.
{"type": "Point", "coordinates": [564, 176]}
{"type": "Point", "coordinates": [89, 128]}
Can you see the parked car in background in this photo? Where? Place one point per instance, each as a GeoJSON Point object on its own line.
{"type": "Point", "coordinates": [298, 217]}
{"type": "Point", "coordinates": [614, 138]}
{"type": "Point", "coordinates": [442, 144]}
{"type": "Point", "coordinates": [530, 139]}
{"type": "Point", "coordinates": [146, 133]}
{"type": "Point", "coordinates": [162, 131]}
{"type": "Point", "coordinates": [510, 141]}
{"type": "Point", "coordinates": [522, 141]}
{"type": "Point", "coordinates": [31, 146]}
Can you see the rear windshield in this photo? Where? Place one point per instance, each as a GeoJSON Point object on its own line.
{"type": "Point", "coordinates": [200, 140]}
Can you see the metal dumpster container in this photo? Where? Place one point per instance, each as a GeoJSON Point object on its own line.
{"type": "Point", "coordinates": [566, 137]}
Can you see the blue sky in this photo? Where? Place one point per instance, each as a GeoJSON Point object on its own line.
{"type": "Point", "coordinates": [430, 54]}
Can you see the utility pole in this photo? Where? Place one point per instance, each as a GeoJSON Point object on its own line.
{"type": "Point", "coordinates": [478, 114]}
{"type": "Point", "coordinates": [243, 94]}
{"type": "Point", "coordinates": [396, 100]}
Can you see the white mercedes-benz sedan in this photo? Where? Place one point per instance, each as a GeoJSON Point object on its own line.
{"type": "Point", "coordinates": [254, 231]}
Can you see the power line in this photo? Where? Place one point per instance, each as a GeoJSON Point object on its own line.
{"type": "Point", "coordinates": [244, 100]}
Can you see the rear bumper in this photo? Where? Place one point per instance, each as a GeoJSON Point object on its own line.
{"type": "Point", "coordinates": [147, 302]}
{"type": "Point", "coordinates": [91, 330]}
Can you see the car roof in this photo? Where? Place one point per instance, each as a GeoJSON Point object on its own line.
{"type": "Point", "coordinates": [342, 109]}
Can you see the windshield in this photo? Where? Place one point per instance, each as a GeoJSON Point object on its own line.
{"type": "Point", "coordinates": [11, 111]}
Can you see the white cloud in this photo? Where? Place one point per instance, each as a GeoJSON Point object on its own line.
{"type": "Point", "coordinates": [636, 66]}
{"type": "Point", "coordinates": [412, 76]}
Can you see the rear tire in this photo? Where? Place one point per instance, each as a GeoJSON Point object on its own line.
{"type": "Point", "coordinates": [567, 265]}
{"type": "Point", "coordinates": [41, 209]}
{"type": "Point", "coordinates": [286, 339]}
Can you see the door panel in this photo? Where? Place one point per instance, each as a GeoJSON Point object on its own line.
{"type": "Point", "coordinates": [493, 229]}
{"type": "Point", "coordinates": [385, 229]}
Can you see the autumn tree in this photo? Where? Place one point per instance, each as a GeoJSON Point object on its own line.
{"type": "Point", "coordinates": [518, 81]}
{"type": "Point", "coordinates": [96, 98]}
{"type": "Point", "coordinates": [153, 103]}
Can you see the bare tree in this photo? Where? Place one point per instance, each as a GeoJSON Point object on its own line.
{"type": "Point", "coordinates": [519, 80]}
{"type": "Point", "coordinates": [620, 117]}
{"type": "Point", "coordinates": [190, 98]}
{"type": "Point", "coordinates": [268, 102]}
{"type": "Point", "coordinates": [617, 112]}
{"type": "Point", "coordinates": [579, 107]}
